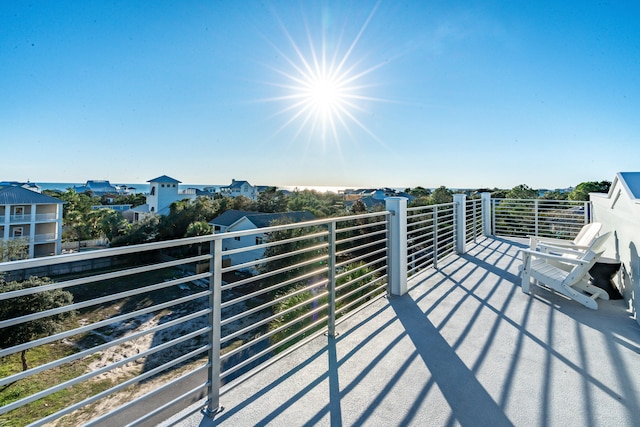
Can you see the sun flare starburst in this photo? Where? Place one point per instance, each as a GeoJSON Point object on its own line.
{"type": "Point", "coordinates": [323, 88]}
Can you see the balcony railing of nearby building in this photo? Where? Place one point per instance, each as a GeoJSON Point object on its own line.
{"type": "Point", "coordinates": [25, 218]}
{"type": "Point", "coordinates": [171, 322]}
{"type": "Point", "coordinates": [46, 217]}
{"type": "Point", "coordinates": [44, 237]}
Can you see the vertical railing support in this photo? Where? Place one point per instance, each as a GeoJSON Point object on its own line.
{"type": "Point", "coordinates": [475, 220]}
{"type": "Point", "coordinates": [536, 220]}
{"type": "Point", "coordinates": [397, 245]}
{"type": "Point", "coordinates": [332, 279]}
{"type": "Point", "coordinates": [215, 300]}
{"type": "Point", "coordinates": [460, 221]}
{"type": "Point", "coordinates": [435, 237]}
{"type": "Point", "coordinates": [486, 213]}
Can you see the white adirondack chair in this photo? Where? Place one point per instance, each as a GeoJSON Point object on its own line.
{"type": "Point", "coordinates": [582, 241]}
{"type": "Point", "coordinates": [570, 278]}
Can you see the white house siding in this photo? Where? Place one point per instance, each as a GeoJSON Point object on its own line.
{"type": "Point", "coordinates": [619, 211]}
{"type": "Point", "coordinates": [39, 223]}
{"type": "Point", "coordinates": [242, 242]}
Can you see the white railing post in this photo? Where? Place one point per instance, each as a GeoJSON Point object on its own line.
{"type": "Point", "coordinates": [460, 221]}
{"type": "Point", "coordinates": [215, 286]}
{"type": "Point", "coordinates": [435, 237]}
{"type": "Point", "coordinates": [397, 245]}
{"type": "Point", "coordinates": [536, 208]}
{"type": "Point", "coordinates": [486, 213]}
{"type": "Point", "coordinates": [332, 280]}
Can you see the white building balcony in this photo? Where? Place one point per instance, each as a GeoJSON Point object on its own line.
{"type": "Point", "coordinates": [402, 317]}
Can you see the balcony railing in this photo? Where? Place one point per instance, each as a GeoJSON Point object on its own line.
{"type": "Point", "coordinates": [25, 218]}
{"type": "Point", "coordinates": [170, 321]}
{"type": "Point", "coordinates": [539, 217]}
{"type": "Point", "coordinates": [46, 217]}
{"type": "Point", "coordinates": [44, 237]}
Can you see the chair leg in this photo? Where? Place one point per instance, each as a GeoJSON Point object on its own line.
{"type": "Point", "coordinates": [525, 273]}
{"type": "Point", "coordinates": [526, 278]}
{"type": "Point", "coordinates": [592, 290]}
{"type": "Point", "coordinates": [583, 299]}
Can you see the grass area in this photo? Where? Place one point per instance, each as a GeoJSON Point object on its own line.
{"type": "Point", "coordinates": [40, 355]}
{"type": "Point", "coordinates": [43, 354]}
{"type": "Point", "coordinates": [41, 408]}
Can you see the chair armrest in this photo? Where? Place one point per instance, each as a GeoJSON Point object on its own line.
{"type": "Point", "coordinates": [568, 251]}
{"type": "Point", "coordinates": [553, 241]}
{"type": "Point", "coordinates": [560, 258]}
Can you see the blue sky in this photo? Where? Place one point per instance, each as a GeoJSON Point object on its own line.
{"type": "Point", "coordinates": [460, 94]}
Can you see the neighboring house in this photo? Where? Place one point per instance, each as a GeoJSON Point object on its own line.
{"type": "Point", "coordinates": [31, 216]}
{"type": "Point", "coordinates": [372, 198]}
{"type": "Point", "coordinates": [117, 208]}
{"type": "Point", "coordinates": [163, 191]}
{"type": "Point", "coordinates": [27, 185]}
{"type": "Point", "coordinates": [240, 188]}
{"type": "Point", "coordinates": [369, 202]}
{"type": "Point", "coordinates": [97, 188]}
{"type": "Point", "coordinates": [234, 220]}
{"type": "Point", "coordinates": [619, 211]}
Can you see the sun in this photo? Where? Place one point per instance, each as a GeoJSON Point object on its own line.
{"type": "Point", "coordinates": [322, 88]}
{"type": "Point", "coordinates": [324, 94]}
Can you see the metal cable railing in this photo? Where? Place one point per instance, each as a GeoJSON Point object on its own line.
{"type": "Point", "coordinates": [201, 311]}
{"type": "Point", "coordinates": [430, 236]}
{"type": "Point", "coordinates": [539, 217]}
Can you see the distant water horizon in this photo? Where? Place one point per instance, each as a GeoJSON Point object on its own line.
{"type": "Point", "coordinates": [145, 188]}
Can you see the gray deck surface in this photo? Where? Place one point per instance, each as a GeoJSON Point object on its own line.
{"type": "Point", "coordinates": [464, 347]}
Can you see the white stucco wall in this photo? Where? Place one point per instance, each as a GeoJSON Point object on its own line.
{"type": "Point", "coordinates": [619, 212]}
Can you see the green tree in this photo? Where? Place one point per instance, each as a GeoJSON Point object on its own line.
{"type": "Point", "coordinates": [271, 200]}
{"type": "Point", "coordinates": [30, 304]}
{"type": "Point", "coordinates": [441, 195]}
{"type": "Point", "coordinates": [418, 192]}
{"type": "Point", "coordinates": [522, 191]}
{"type": "Point", "coordinates": [75, 211]}
{"type": "Point", "coordinates": [242, 203]}
{"type": "Point", "coordinates": [322, 205]}
{"type": "Point", "coordinates": [134, 200]}
{"type": "Point", "coordinates": [554, 195]}
{"type": "Point", "coordinates": [183, 213]}
{"type": "Point", "coordinates": [112, 223]}
{"type": "Point", "coordinates": [198, 228]}
{"type": "Point", "coordinates": [582, 190]}
{"type": "Point", "coordinates": [144, 231]}
{"type": "Point", "coordinates": [14, 249]}
{"type": "Point", "coordinates": [358, 207]}
{"type": "Point", "coordinates": [499, 194]}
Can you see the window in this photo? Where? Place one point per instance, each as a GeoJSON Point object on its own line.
{"type": "Point", "coordinates": [18, 211]}
{"type": "Point", "coordinates": [17, 232]}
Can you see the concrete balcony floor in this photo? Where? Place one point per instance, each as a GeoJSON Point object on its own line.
{"type": "Point", "coordinates": [464, 347]}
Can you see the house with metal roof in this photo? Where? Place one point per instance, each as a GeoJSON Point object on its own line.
{"type": "Point", "coordinates": [97, 188]}
{"type": "Point", "coordinates": [240, 188]}
{"type": "Point", "coordinates": [28, 185]}
{"type": "Point", "coordinates": [236, 220]}
{"type": "Point", "coordinates": [32, 217]}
